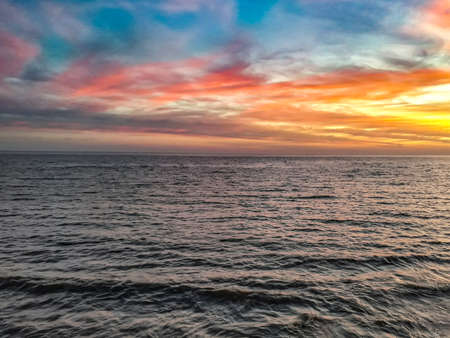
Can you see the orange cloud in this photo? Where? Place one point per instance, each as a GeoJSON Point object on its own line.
{"type": "Point", "coordinates": [357, 85]}
{"type": "Point", "coordinates": [352, 103]}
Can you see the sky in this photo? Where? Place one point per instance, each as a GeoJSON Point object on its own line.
{"type": "Point", "coordinates": [269, 77]}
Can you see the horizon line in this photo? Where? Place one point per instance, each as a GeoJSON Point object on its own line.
{"type": "Point", "coordinates": [153, 153]}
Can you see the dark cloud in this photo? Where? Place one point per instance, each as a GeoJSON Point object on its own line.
{"type": "Point", "coordinates": [200, 123]}
{"type": "Point", "coordinates": [37, 70]}
{"type": "Point", "coordinates": [403, 63]}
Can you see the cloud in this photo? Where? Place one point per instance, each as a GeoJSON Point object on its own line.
{"type": "Point", "coordinates": [278, 112]}
{"type": "Point", "coordinates": [433, 20]}
{"type": "Point", "coordinates": [63, 21]}
{"type": "Point", "coordinates": [179, 123]}
{"type": "Point", "coordinates": [17, 19]}
{"type": "Point", "coordinates": [303, 73]}
{"type": "Point", "coordinates": [15, 53]}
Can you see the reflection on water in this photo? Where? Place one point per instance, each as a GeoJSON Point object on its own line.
{"type": "Point", "coordinates": [200, 246]}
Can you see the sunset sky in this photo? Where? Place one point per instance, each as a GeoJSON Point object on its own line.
{"type": "Point", "coordinates": [288, 77]}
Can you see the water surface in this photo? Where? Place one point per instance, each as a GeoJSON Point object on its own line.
{"type": "Point", "coordinates": [158, 246]}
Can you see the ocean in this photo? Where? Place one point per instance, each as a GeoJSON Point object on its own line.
{"type": "Point", "coordinates": [105, 245]}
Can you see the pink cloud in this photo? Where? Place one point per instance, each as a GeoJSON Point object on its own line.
{"type": "Point", "coordinates": [434, 20]}
{"type": "Point", "coordinates": [438, 13]}
{"type": "Point", "coordinates": [15, 53]}
{"type": "Point", "coordinates": [118, 82]}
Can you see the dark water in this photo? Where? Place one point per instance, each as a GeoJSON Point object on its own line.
{"type": "Point", "coordinates": [145, 246]}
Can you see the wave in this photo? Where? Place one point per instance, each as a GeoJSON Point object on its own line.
{"type": "Point", "coordinates": [124, 289]}
{"type": "Point", "coordinates": [312, 197]}
{"type": "Point", "coordinates": [372, 261]}
{"type": "Point", "coordinates": [52, 178]}
{"type": "Point", "coordinates": [407, 215]}
{"type": "Point", "coordinates": [9, 215]}
{"type": "Point", "coordinates": [420, 290]}
{"type": "Point", "coordinates": [302, 294]}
